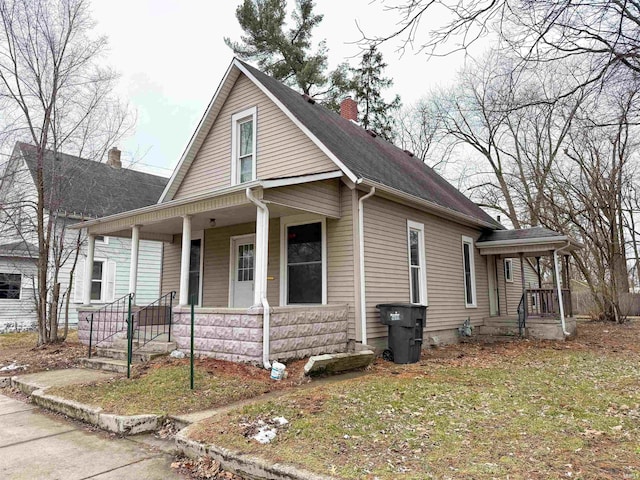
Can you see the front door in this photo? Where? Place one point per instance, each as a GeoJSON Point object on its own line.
{"type": "Point", "coordinates": [242, 263]}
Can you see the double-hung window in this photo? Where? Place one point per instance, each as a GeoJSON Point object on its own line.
{"type": "Point", "coordinates": [417, 269]}
{"type": "Point", "coordinates": [10, 284]}
{"type": "Point", "coordinates": [97, 280]}
{"type": "Point", "coordinates": [304, 265]}
{"type": "Point", "coordinates": [243, 150]}
{"type": "Point", "coordinates": [469, 272]}
{"type": "Point", "coordinates": [508, 269]}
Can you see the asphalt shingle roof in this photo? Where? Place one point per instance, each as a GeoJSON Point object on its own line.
{"type": "Point", "coordinates": [522, 234]}
{"type": "Point", "coordinates": [83, 187]}
{"type": "Point", "coordinates": [372, 157]}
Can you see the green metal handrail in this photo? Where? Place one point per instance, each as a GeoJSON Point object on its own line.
{"type": "Point", "coordinates": [105, 328]}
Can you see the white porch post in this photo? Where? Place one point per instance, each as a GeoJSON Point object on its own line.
{"type": "Point", "coordinates": [133, 269]}
{"type": "Point", "coordinates": [262, 251]}
{"type": "Point", "coordinates": [88, 270]}
{"type": "Point", "coordinates": [184, 264]}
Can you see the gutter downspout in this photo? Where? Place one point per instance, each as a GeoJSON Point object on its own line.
{"type": "Point", "coordinates": [363, 299]}
{"type": "Point", "coordinates": [560, 299]}
{"type": "Point", "coordinates": [262, 272]}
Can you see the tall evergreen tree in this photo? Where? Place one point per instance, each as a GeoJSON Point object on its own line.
{"type": "Point", "coordinates": [368, 83]}
{"type": "Point", "coordinates": [286, 53]}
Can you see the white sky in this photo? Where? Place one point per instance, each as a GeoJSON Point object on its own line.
{"type": "Point", "coordinates": [171, 56]}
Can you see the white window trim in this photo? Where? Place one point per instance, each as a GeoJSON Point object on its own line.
{"type": "Point", "coordinates": [105, 240]}
{"type": "Point", "coordinates": [472, 269]}
{"type": "Point", "coordinates": [421, 260]}
{"type": "Point", "coordinates": [235, 119]}
{"type": "Point", "coordinates": [103, 284]}
{"type": "Point", "coordinates": [510, 262]}
{"type": "Point", "coordinates": [232, 263]}
{"type": "Point", "coordinates": [292, 221]}
{"type": "Point", "coordinates": [19, 294]}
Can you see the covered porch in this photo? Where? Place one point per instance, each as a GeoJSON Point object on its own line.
{"type": "Point", "coordinates": [522, 301]}
{"type": "Point", "coordinates": [252, 259]}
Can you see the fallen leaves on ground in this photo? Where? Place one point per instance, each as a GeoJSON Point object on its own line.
{"type": "Point", "coordinates": [526, 409]}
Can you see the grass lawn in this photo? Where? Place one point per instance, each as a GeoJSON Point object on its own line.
{"type": "Point", "coordinates": [162, 387]}
{"type": "Point", "coordinates": [520, 410]}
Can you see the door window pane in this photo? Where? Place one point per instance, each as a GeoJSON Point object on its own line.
{"type": "Point", "coordinates": [245, 263]}
{"type": "Point", "coordinates": [304, 263]}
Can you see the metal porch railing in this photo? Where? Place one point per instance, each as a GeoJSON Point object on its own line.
{"type": "Point", "coordinates": [108, 321]}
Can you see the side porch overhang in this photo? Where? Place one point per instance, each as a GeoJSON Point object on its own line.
{"type": "Point", "coordinates": [545, 305]}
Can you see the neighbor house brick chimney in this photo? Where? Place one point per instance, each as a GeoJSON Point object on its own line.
{"type": "Point", "coordinates": [349, 109]}
{"type": "Point", "coordinates": [113, 158]}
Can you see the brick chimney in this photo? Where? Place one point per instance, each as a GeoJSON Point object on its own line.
{"type": "Point", "coordinates": [113, 158]}
{"type": "Point", "coordinates": [349, 109]}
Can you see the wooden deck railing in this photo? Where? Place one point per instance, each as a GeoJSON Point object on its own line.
{"type": "Point", "coordinates": [543, 302]}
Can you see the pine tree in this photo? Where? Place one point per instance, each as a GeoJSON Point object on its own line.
{"type": "Point", "coordinates": [286, 54]}
{"type": "Point", "coordinates": [368, 84]}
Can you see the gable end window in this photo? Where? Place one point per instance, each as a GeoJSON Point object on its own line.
{"type": "Point", "coordinates": [10, 284]}
{"type": "Point", "coordinates": [417, 268]}
{"type": "Point", "coordinates": [469, 270]}
{"type": "Point", "coordinates": [243, 146]}
{"type": "Point", "coordinates": [508, 269]}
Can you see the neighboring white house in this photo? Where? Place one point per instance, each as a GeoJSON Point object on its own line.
{"type": "Point", "coordinates": [75, 189]}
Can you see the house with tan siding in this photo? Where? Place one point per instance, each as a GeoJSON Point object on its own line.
{"type": "Point", "coordinates": [285, 224]}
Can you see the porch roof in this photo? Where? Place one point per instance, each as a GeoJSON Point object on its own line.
{"type": "Point", "coordinates": [229, 206]}
{"type": "Point", "coordinates": [531, 242]}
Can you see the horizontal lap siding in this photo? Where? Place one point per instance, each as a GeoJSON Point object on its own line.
{"type": "Point", "coordinates": [318, 197]}
{"type": "Point", "coordinates": [387, 270]}
{"type": "Point", "coordinates": [282, 149]}
{"type": "Point", "coordinates": [217, 252]}
{"type": "Point", "coordinates": [19, 314]}
{"type": "Point", "coordinates": [340, 259]}
{"type": "Point", "coordinates": [509, 303]}
{"type": "Point", "coordinates": [171, 255]}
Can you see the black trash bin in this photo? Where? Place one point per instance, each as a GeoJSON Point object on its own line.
{"type": "Point", "coordinates": [406, 324]}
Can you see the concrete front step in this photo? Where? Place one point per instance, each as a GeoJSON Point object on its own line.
{"type": "Point", "coordinates": [154, 346]}
{"type": "Point", "coordinates": [121, 354]}
{"type": "Point", "coordinates": [106, 364]}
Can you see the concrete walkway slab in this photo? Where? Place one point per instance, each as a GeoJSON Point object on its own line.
{"type": "Point", "coordinates": [22, 427]}
{"type": "Point", "coordinates": [59, 378]}
{"type": "Point", "coordinates": [34, 445]}
{"type": "Point", "coordinates": [9, 405]}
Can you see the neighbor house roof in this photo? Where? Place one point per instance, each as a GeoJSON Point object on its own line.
{"type": "Point", "coordinates": [361, 155]}
{"type": "Point", "coordinates": [86, 188]}
{"type": "Point", "coordinates": [19, 249]}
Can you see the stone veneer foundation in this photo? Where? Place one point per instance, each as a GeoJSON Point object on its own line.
{"type": "Point", "coordinates": [236, 334]}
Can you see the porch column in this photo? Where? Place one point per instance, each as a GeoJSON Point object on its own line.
{"type": "Point", "coordinates": [133, 268]}
{"type": "Point", "coordinates": [88, 270]}
{"type": "Point", "coordinates": [525, 303]}
{"type": "Point", "coordinates": [184, 263]}
{"type": "Point", "coordinates": [262, 251]}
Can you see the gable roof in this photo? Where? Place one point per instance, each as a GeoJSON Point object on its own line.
{"type": "Point", "coordinates": [81, 187]}
{"type": "Point", "coordinates": [360, 155]}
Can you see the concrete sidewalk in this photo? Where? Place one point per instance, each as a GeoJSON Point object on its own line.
{"type": "Point", "coordinates": [34, 445]}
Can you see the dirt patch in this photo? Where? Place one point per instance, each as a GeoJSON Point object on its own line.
{"type": "Point", "coordinates": [19, 352]}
